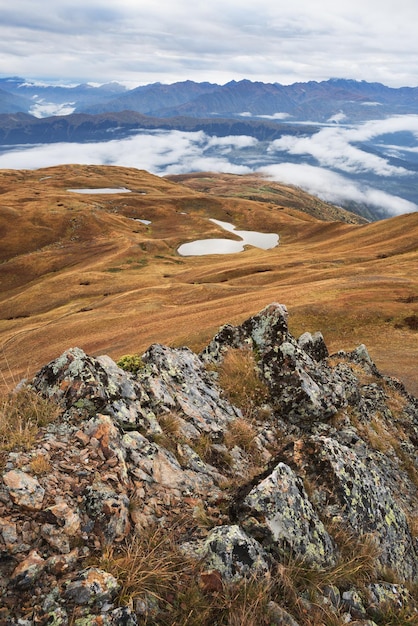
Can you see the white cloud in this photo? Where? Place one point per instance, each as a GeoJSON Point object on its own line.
{"type": "Point", "coordinates": [337, 118]}
{"type": "Point", "coordinates": [335, 188]}
{"type": "Point", "coordinates": [46, 109]}
{"type": "Point", "coordinates": [171, 152]}
{"type": "Point", "coordinates": [276, 116]}
{"type": "Point", "coordinates": [334, 146]}
{"type": "Point", "coordinates": [177, 152]}
{"type": "Point", "coordinates": [219, 40]}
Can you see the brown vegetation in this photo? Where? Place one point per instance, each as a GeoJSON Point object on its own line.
{"type": "Point", "coordinates": [22, 414]}
{"type": "Point", "coordinates": [77, 270]}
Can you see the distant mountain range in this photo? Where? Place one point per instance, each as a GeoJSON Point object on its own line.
{"type": "Point", "coordinates": [386, 162]}
{"type": "Point", "coordinates": [334, 99]}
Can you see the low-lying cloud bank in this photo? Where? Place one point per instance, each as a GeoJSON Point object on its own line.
{"type": "Point", "coordinates": [340, 173]}
{"type": "Point", "coordinates": [333, 187]}
{"type": "Point", "coordinates": [339, 147]}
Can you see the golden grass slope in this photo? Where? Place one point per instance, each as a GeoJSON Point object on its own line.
{"type": "Point", "coordinates": [81, 270]}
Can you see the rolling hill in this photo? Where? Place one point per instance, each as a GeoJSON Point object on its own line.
{"type": "Point", "coordinates": [88, 270]}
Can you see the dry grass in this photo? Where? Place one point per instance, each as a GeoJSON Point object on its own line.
{"type": "Point", "coordinates": [57, 292]}
{"type": "Point", "coordinates": [242, 386]}
{"type": "Point", "coordinates": [154, 572]}
{"type": "Point", "coordinates": [147, 565]}
{"type": "Point", "coordinates": [22, 414]}
{"type": "Point", "coordinates": [356, 566]}
{"type": "Point", "coordinates": [151, 569]}
{"type": "Point", "coordinates": [241, 433]}
{"type": "Point", "coordinates": [40, 464]}
{"type": "Point", "coordinates": [171, 435]}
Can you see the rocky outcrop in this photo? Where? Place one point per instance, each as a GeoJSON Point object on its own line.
{"type": "Point", "coordinates": [333, 453]}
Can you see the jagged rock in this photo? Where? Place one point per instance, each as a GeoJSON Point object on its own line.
{"type": "Point", "coordinates": [29, 570]}
{"type": "Point", "coordinates": [92, 586]}
{"type": "Point", "coordinates": [109, 509]}
{"type": "Point", "coordinates": [116, 468]}
{"type": "Point", "coordinates": [176, 379]}
{"type": "Point", "coordinates": [354, 493]}
{"type": "Point", "coordinates": [385, 597]}
{"type": "Point", "coordinates": [279, 616]}
{"type": "Point", "coordinates": [314, 345]}
{"type": "Point", "coordinates": [76, 380]}
{"type": "Point", "coordinates": [60, 564]}
{"type": "Point", "coordinates": [229, 550]}
{"type": "Point", "coordinates": [24, 489]}
{"type": "Point", "coordinates": [67, 519]}
{"type": "Point", "coordinates": [277, 510]}
{"type": "Point", "coordinates": [353, 602]}
{"type": "Point", "coordinates": [302, 389]}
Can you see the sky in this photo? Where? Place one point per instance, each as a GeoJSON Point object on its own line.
{"type": "Point", "coordinates": [145, 41]}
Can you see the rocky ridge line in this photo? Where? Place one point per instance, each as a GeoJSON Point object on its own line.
{"type": "Point", "coordinates": [335, 443]}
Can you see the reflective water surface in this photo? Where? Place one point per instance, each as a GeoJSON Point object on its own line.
{"type": "Point", "coordinates": [200, 247]}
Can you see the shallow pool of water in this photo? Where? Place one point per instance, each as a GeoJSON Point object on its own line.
{"type": "Point", "coordinates": [201, 247]}
{"type": "Point", "coordinates": [137, 219]}
{"type": "Point", "coordinates": [101, 190]}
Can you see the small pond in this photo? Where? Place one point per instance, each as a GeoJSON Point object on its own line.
{"type": "Point", "coordinates": [137, 219]}
{"type": "Point", "coordinates": [101, 190]}
{"type": "Point", "coordinates": [201, 247]}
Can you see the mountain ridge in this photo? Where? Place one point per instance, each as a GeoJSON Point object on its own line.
{"type": "Point", "coordinates": [314, 101]}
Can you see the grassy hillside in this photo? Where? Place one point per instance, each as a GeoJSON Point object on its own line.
{"type": "Point", "coordinates": [80, 270]}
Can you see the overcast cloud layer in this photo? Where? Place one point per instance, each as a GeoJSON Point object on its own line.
{"type": "Point", "coordinates": [334, 151]}
{"type": "Point", "coordinates": [143, 41]}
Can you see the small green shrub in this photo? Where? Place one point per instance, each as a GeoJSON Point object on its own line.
{"type": "Point", "coordinates": [131, 363]}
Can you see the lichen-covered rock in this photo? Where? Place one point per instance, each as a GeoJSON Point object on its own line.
{"type": "Point", "coordinates": [314, 345]}
{"type": "Point", "coordinates": [337, 442]}
{"type": "Point", "coordinates": [353, 602]}
{"type": "Point", "coordinates": [29, 570]}
{"type": "Point", "coordinates": [355, 493]}
{"type": "Point", "coordinates": [176, 379]}
{"type": "Point", "coordinates": [230, 551]}
{"type": "Point", "coordinates": [93, 587]}
{"type": "Point", "coordinates": [123, 616]}
{"type": "Point", "coordinates": [109, 510]}
{"type": "Point", "coordinates": [385, 597]}
{"type": "Point", "coordinates": [278, 511]}
{"type": "Point", "coordinates": [24, 490]}
{"type": "Point", "coordinates": [303, 390]}
{"type": "Point", "coordinates": [78, 381]}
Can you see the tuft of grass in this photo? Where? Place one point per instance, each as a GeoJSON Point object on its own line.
{"type": "Point", "coordinates": [240, 382]}
{"type": "Point", "coordinates": [22, 414]}
{"type": "Point", "coordinates": [203, 447]}
{"type": "Point", "coordinates": [40, 464]}
{"type": "Point", "coordinates": [148, 564]}
{"type": "Point", "coordinates": [152, 569]}
{"type": "Point", "coordinates": [356, 566]}
{"type": "Point", "coordinates": [170, 425]}
{"type": "Point", "coordinates": [241, 433]}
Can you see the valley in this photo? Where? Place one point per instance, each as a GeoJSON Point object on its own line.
{"type": "Point", "coordinates": [87, 270]}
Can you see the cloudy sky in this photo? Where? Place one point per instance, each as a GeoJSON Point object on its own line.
{"type": "Point", "coordinates": [143, 41]}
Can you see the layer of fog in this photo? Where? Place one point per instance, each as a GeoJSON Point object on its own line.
{"type": "Point", "coordinates": [47, 109]}
{"type": "Point", "coordinates": [338, 169]}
